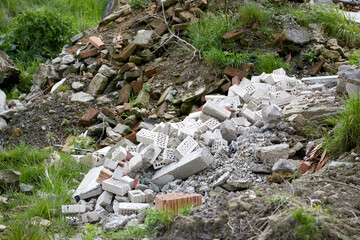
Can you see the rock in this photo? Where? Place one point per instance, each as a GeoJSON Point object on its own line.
{"type": "Point", "coordinates": [284, 165]}
{"type": "Point", "coordinates": [81, 97]}
{"type": "Point", "coordinates": [228, 130]}
{"type": "Point", "coordinates": [26, 188]}
{"type": "Point", "coordinates": [349, 82]}
{"type": "Point", "coordinates": [236, 184]}
{"type": "Point", "coordinates": [98, 130]}
{"type": "Point", "coordinates": [272, 115]}
{"type": "Point", "coordinates": [3, 106]}
{"type": "Point", "coordinates": [9, 73]}
{"type": "Point", "coordinates": [40, 222]}
{"type": "Point", "coordinates": [221, 180]}
{"type": "Point", "coordinates": [142, 99]}
{"type": "Point", "coordinates": [76, 38]}
{"type": "Point", "coordinates": [2, 228]}
{"type": "Point", "coordinates": [122, 129]}
{"type": "Point", "coordinates": [144, 38]}
{"type": "Point", "coordinates": [271, 154]}
{"type": "Point", "coordinates": [9, 178]}
{"type": "Point", "coordinates": [45, 74]}
{"type": "Point", "coordinates": [92, 68]}
{"type": "Point", "coordinates": [107, 71]}
{"type": "Point", "coordinates": [67, 59]}
{"type": "Point", "coordinates": [297, 34]}
{"type": "Point", "coordinates": [3, 125]}
{"type": "Point", "coordinates": [98, 84]}
{"type": "Point", "coordinates": [77, 86]}
{"type": "Point", "coordinates": [298, 119]}
{"type": "Point", "coordinates": [330, 54]}
{"type": "Point", "coordinates": [114, 222]}
{"type": "Point", "coordinates": [111, 134]}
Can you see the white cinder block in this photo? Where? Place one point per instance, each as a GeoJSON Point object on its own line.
{"type": "Point", "coordinates": [130, 208]}
{"type": "Point", "coordinates": [214, 97]}
{"type": "Point", "coordinates": [115, 186]}
{"type": "Point", "coordinates": [161, 140]}
{"type": "Point", "coordinates": [241, 92]}
{"type": "Point", "coordinates": [217, 112]}
{"type": "Point", "coordinates": [241, 121]}
{"type": "Point", "coordinates": [118, 173]}
{"type": "Point", "coordinates": [249, 115]}
{"type": "Point", "coordinates": [159, 164]}
{"type": "Point", "coordinates": [255, 79]}
{"type": "Point", "coordinates": [168, 155]}
{"type": "Point", "coordinates": [185, 147]}
{"type": "Point", "coordinates": [146, 137]}
{"type": "Point", "coordinates": [89, 187]}
{"type": "Point", "coordinates": [128, 180]}
{"type": "Point", "coordinates": [136, 196]}
{"type": "Point", "coordinates": [131, 149]}
{"type": "Point", "coordinates": [189, 130]}
{"type": "Point", "coordinates": [75, 208]}
{"type": "Point", "coordinates": [110, 164]}
{"type": "Point", "coordinates": [218, 144]}
{"type": "Point", "coordinates": [93, 216]}
{"type": "Point", "coordinates": [279, 71]}
{"type": "Point", "coordinates": [271, 79]}
{"type": "Point", "coordinates": [158, 127]}
{"type": "Point", "coordinates": [151, 149]}
{"type": "Point", "coordinates": [253, 106]}
{"type": "Point", "coordinates": [119, 154]}
{"type": "Point", "coordinates": [250, 88]}
{"type": "Point", "coordinates": [135, 163]}
{"type": "Point", "coordinates": [104, 199]}
{"type": "Point", "coordinates": [244, 81]}
{"type": "Point", "coordinates": [204, 117]}
{"type": "Point", "coordinates": [213, 124]}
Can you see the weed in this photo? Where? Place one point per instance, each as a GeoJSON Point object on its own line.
{"type": "Point", "coordinates": [90, 231]}
{"type": "Point", "coordinates": [219, 58]}
{"type": "Point", "coordinates": [354, 58]}
{"type": "Point", "coordinates": [315, 131]}
{"type": "Point", "coordinates": [346, 134]}
{"type": "Point", "coordinates": [268, 63]}
{"type": "Point", "coordinates": [63, 88]}
{"type": "Point", "coordinates": [310, 57]}
{"type": "Point", "coordinates": [23, 229]}
{"type": "Point", "coordinates": [147, 86]}
{"type": "Point", "coordinates": [82, 144]}
{"type": "Point", "coordinates": [306, 227]}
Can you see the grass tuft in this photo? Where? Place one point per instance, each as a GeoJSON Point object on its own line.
{"type": "Point", "coordinates": [268, 63]}
{"type": "Point", "coordinates": [251, 13]}
{"type": "Point", "coordinates": [306, 227]}
{"type": "Point", "coordinates": [223, 59]}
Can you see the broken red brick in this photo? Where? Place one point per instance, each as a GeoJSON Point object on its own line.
{"type": "Point", "coordinates": [97, 42]}
{"type": "Point", "coordinates": [162, 109]}
{"type": "Point", "coordinates": [104, 174]}
{"type": "Point", "coordinates": [127, 52]}
{"type": "Point", "coordinates": [232, 72]}
{"type": "Point", "coordinates": [150, 71]}
{"type": "Point", "coordinates": [88, 117]}
{"type": "Point", "coordinates": [136, 86]}
{"type": "Point", "coordinates": [176, 201]}
{"type": "Point", "coordinates": [109, 112]}
{"type": "Point", "coordinates": [161, 29]}
{"type": "Point", "coordinates": [136, 181]}
{"type": "Point", "coordinates": [119, 20]}
{"type": "Point", "coordinates": [313, 71]}
{"type": "Point", "coordinates": [151, 79]}
{"type": "Point", "coordinates": [120, 111]}
{"type": "Point", "coordinates": [178, 27]}
{"type": "Point", "coordinates": [170, 11]}
{"type": "Point", "coordinates": [131, 137]}
{"type": "Point", "coordinates": [234, 35]}
{"type": "Point", "coordinates": [124, 94]}
{"type": "Point", "coordinates": [304, 166]}
{"type": "Point", "coordinates": [225, 87]}
{"type": "Point", "coordinates": [88, 53]}
{"type": "Point", "coordinates": [235, 81]}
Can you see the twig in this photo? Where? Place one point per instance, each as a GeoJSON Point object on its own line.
{"type": "Point", "coordinates": [335, 182]}
{"type": "Point", "coordinates": [48, 177]}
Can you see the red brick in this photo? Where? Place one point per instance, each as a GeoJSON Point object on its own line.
{"type": "Point", "coordinates": [109, 112]}
{"type": "Point", "coordinates": [313, 71]}
{"type": "Point", "coordinates": [97, 42]}
{"type": "Point", "coordinates": [104, 174]}
{"type": "Point", "coordinates": [176, 201]}
{"type": "Point", "coordinates": [124, 94]}
{"type": "Point", "coordinates": [127, 66]}
{"type": "Point", "coordinates": [304, 166]}
{"type": "Point", "coordinates": [136, 86]}
{"type": "Point", "coordinates": [235, 81]}
{"type": "Point", "coordinates": [178, 27]}
{"type": "Point", "coordinates": [88, 117]}
{"type": "Point", "coordinates": [150, 71]}
{"type": "Point", "coordinates": [234, 35]}
{"type": "Point", "coordinates": [163, 107]}
{"type": "Point", "coordinates": [88, 53]}
{"type": "Point", "coordinates": [232, 72]}
{"type": "Point", "coordinates": [131, 137]}
{"type": "Point", "coordinates": [225, 87]}
{"type": "Point", "coordinates": [161, 29]}
{"type": "Point", "coordinates": [127, 52]}
{"type": "Point", "coordinates": [155, 95]}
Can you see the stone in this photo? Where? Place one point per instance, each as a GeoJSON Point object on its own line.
{"type": "Point", "coordinates": [185, 167]}
{"type": "Point", "coordinates": [112, 135]}
{"type": "Point", "coordinates": [298, 119]}
{"type": "Point", "coordinates": [187, 16]}
{"type": "Point", "coordinates": [234, 35]}
{"type": "Point", "coordinates": [110, 113]}
{"type": "Point", "coordinates": [115, 222]}
{"type": "Point", "coordinates": [179, 27]}
{"type": "Point", "coordinates": [330, 54]}
{"type": "Point", "coordinates": [104, 199]}
{"type": "Point", "coordinates": [67, 59]}
{"type": "Point", "coordinates": [76, 38]}
{"type": "Point", "coordinates": [126, 52]}
{"type": "Point", "coordinates": [3, 106]}
{"type": "Point", "coordinates": [135, 59]}
{"type": "Point", "coordinates": [297, 34]}
{"type": "Point", "coordinates": [228, 130]}
{"type": "Point", "coordinates": [284, 165]}
{"type": "Point", "coordinates": [271, 154]}
{"type": "Point", "coordinates": [98, 129]}
{"type": "Point", "coordinates": [131, 75]}
{"type": "Point", "coordinates": [107, 71]}
{"type": "Point", "coordinates": [136, 86]}
{"type": "Point", "coordinates": [9, 73]}
{"type": "Point", "coordinates": [89, 117]}
{"type": "Point", "coordinates": [144, 38]}
{"type": "Point", "coordinates": [98, 84]}
{"type": "Point", "coordinates": [175, 201]}
{"type": "Point", "coordinates": [26, 187]}
{"type": "Point", "coordinates": [97, 42]}
{"type": "Point", "coordinates": [272, 115]}
{"type": "Point", "coordinates": [45, 74]}
{"type": "Point", "coordinates": [122, 129]}
{"type": "Point", "coordinates": [3, 125]}
{"type": "Point", "coordinates": [9, 178]}
{"type": "Point", "coordinates": [349, 80]}
{"type": "Point", "coordinates": [232, 72]}
{"type": "Point", "coordinates": [81, 97]}
{"type": "Point", "coordinates": [143, 99]}
{"type": "Point", "coordinates": [236, 184]}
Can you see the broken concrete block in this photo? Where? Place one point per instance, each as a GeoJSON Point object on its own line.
{"type": "Point", "coordinates": [284, 165]}
{"type": "Point", "coordinates": [119, 154]}
{"type": "Point", "coordinates": [149, 155]}
{"type": "Point", "coordinates": [215, 111]}
{"type": "Point", "coordinates": [118, 173]}
{"type": "Point", "coordinates": [89, 187]}
{"type": "Point", "coordinates": [241, 121]}
{"type": "Point", "coordinates": [144, 38]}
{"type": "Point", "coordinates": [104, 199]}
{"type": "Point", "coordinates": [298, 119]}
{"type": "Point", "coordinates": [75, 208]}
{"type": "Point", "coordinates": [111, 164]}
{"type": "Point", "coordinates": [135, 163]}
{"type": "Point", "coordinates": [131, 208]}
{"type": "Point", "coordinates": [271, 154]}
{"type": "Point", "coordinates": [91, 217]}
{"type": "Point", "coordinates": [176, 201]}
{"type": "Point", "coordinates": [158, 164]}
{"type": "Point", "coordinates": [185, 147]}
{"type": "Point", "coordinates": [136, 196]}
{"type": "Point", "coordinates": [209, 136]}
{"type": "Point", "coordinates": [128, 180]}
{"type": "Point", "coordinates": [218, 144]}
{"type": "Point", "coordinates": [242, 93]}
{"type": "Point", "coordinates": [249, 115]}
{"type": "Point", "coordinates": [98, 84]}
{"type": "Point", "coordinates": [149, 195]}
{"type": "Point", "coordinates": [115, 186]}
{"type": "Point", "coordinates": [146, 137]}
{"type": "Point", "coordinates": [228, 130]}
{"type": "Point", "coordinates": [272, 115]}
{"type": "Point", "coordinates": [90, 116]}
{"type": "Point", "coordinates": [187, 166]}
{"type": "Point", "coordinates": [168, 155]}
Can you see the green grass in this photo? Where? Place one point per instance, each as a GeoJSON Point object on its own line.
{"type": "Point", "coordinates": [346, 134]}
{"type": "Point", "coordinates": [50, 192]}
{"type": "Point", "coordinates": [251, 13]}
{"type": "Point", "coordinates": [223, 59]}
{"type": "Point", "coordinates": [268, 63]}
{"type": "Point", "coordinates": [354, 58]}
{"type": "Point", "coordinates": [306, 227]}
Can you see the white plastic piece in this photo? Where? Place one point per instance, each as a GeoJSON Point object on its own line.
{"type": "Point", "coordinates": [218, 144]}
{"type": "Point", "coordinates": [161, 140]}
{"type": "Point", "coordinates": [115, 186]}
{"type": "Point", "coordinates": [185, 147]}
{"type": "Point", "coordinates": [136, 196]}
{"type": "Point", "coordinates": [146, 137]}
{"type": "Point", "coordinates": [75, 208]}
{"type": "Point", "coordinates": [217, 112]}
{"type": "Point", "coordinates": [119, 154]}
{"type": "Point", "coordinates": [131, 208]}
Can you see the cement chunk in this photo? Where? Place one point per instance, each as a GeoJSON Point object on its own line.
{"type": "Point", "coordinates": [271, 154]}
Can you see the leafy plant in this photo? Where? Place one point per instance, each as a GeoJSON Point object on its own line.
{"type": "Point", "coordinates": [82, 144]}
{"type": "Point", "coordinates": [346, 134]}
{"type": "Point", "coordinates": [63, 88]}
{"type": "Point", "coordinates": [251, 13]}
{"type": "Point", "coordinates": [306, 227]}
{"type": "Point", "coordinates": [310, 57]}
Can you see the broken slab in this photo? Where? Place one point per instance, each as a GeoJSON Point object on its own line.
{"type": "Point", "coordinates": [271, 154]}
{"type": "Point", "coordinates": [89, 187]}
{"type": "Point", "coordinates": [187, 166]}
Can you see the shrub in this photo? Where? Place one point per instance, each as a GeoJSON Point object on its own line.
{"type": "Point", "coordinates": [36, 34]}
{"type": "Point", "coordinates": [346, 134]}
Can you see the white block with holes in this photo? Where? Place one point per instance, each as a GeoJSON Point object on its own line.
{"type": "Point", "coordinates": [131, 149]}
{"type": "Point", "coordinates": [231, 102]}
{"type": "Point", "coordinates": [158, 164]}
{"type": "Point", "coordinates": [104, 199]}
{"type": "Point", "coordinates": [279, 71]}
{"type": "Point", "coordinates": [185, 147]}
{"type": "Point", "coordinates": [271, 79]}
{"type": "Point", "coordinates": [161, 140]}
{"type": "Point", "coordinates": [131, 208]}
{"type": "Point", "coordinates": [189, 130]}
{"type": "Point", "coordinates": [218, 144]}
{"type": "Point", "coordinates": [253, 106]}
{"type": "Point", "coordinates": [215, 111]}
{"type": "Point", "coordinates": [263, 76]}
{"type": "Point", "coordinates": [75, 208]}
{"type": "Point", "coordinates": [193, 115]}
{"type": "Point", "coordinates": [115, 186]}
{"type": "Point", "coordinates": [155, 151]}
{"type": "Point", "coordinates": [110, 164]}
{"type": "Point", "coordinates": [168, 155]}
{"type": "Point", "coordinates": [213, 124]}
{"type": "Point", "coordinates": [119, 154]}
{"type": "Point", "coordinates": [241, 92]}
{"type": "Point", "coordinates": [146, 137]}
{"type": "Point", "coordinates": [128, 180]}
{"type": "Point", "coordinates": [249, 115]}
{"type": "Point", "coordinates": [209, 136]}
{"type": "Point", "coordinates": [158, 127]}
{"type": "Point", "coordinates": [136, 196]}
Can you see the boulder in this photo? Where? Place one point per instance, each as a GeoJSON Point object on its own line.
{"type": "Point", "coordinates": [349, 80]}
{"type": "Point", "coordinates": [9, 178]}
{"type": "Point", "coordinates": [9, 73]}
